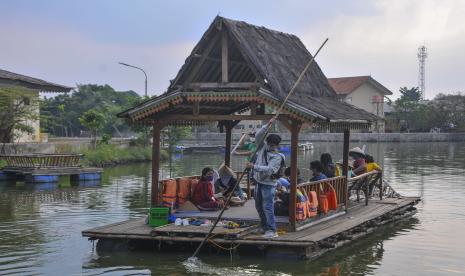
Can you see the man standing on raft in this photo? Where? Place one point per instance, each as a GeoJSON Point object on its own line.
{"type": "Point", "coordinates": [266, 165]}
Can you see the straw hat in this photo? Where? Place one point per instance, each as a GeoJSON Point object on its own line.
{"type": "Point", "coordinates": [357, 150]}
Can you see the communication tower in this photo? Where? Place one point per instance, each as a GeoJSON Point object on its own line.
{"type": "Point", "coordinates": [422, 55]}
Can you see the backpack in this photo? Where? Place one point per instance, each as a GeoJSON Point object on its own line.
{"type": "Point", "coordinates": [282, 166]}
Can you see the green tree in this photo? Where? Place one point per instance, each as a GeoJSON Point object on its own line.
{"type": "Point", "coordinates": [448, 112]}
{"type": "Point", "coordinates": [412, 114]}
{"type": "Point", "coordinates": [94, 121]}
{"type": "Point", "coordinates": [410, 94]}
{"type": "Point", "coordinates": [18, 108]}
{"type": "Point", "coordinates": [61, 113]}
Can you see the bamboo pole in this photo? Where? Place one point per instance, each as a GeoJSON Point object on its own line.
{"type": "Point", "coordinates": [258, 147]}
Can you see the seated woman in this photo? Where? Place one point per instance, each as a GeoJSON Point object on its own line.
{"type": "Point", "coordinates": [371, 165]}
{"type": "Point", "coordinates": [329, 169]}
{"type": "Point", "coordinates": [359, 165]}
{"type": "Point", "coordinates": [225, 183]}
{"type": "Point", "coordinates": [317, 169]}
{"type": "Point", "coordinates": [202, 195]}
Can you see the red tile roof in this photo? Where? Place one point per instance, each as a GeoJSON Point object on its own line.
{"type": "Point", "coordinates": [347, 85]}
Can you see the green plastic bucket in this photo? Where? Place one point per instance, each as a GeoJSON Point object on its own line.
{"type": "Point", "coordinates": [158, 216]}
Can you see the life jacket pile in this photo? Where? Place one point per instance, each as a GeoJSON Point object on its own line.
{"type": "Point", "coordinates": [169, 193]}
{"type": "Point", "coordinates": [328, 199]}
{"type": "Point", "coordinates": [307, 205]}
{"type": "Point", "coordinates": [177, 192]}
{"type": "Point", "coordinates": [184, 191]}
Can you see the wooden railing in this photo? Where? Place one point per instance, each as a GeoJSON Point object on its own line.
{"type": "Point", "coordinates": [41, 160]}
{"type": "Point", "coordinates": [366, 183]}
{"type": "Point", "coordinates": [338, 183]}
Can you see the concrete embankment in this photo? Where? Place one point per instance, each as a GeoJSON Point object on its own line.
{"type": "Point", "coordinates": [76, 144]}
{"type": "Point", "coordinates": [218, 138]}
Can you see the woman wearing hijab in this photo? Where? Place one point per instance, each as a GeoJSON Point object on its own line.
{"type": "Point", "coordinates": [203, 195]}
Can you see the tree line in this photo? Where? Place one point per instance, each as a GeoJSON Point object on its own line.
{"type": "Point", "coordinates": [444, 113]}
{"type": "Point", "coordinates": [89, 108]}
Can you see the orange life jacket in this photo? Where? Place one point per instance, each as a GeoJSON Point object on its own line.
{"type": "Point", "coordinates": [332, 198]}
{"type": "Point", "coordinates": [323, 203]}
{"type": "Point", "coordinates": [194, 182]}
{"type": "Point", "coordinates": [301, 212]}
{"type": "Point", "coordinates": [184, 190]}
{"type": "Point", "coordinates": [312, 204]}
{"type": "Point", "coordinates": [169, 192]}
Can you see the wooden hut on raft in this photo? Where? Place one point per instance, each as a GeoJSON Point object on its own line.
{"type": "Point", "coordinates": [239, 71]}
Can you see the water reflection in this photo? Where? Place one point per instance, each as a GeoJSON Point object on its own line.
{"type": "Point", "coordinates": [40, 225]}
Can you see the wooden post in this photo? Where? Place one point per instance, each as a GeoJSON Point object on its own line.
{"type": "Point", "coordinates": [295, 128]}
{"type": "Point", "coordinates": [227, 152]}
{"type": "Point", "coordinates": [224, 57]}
{"type": "Point", "coordinates": [253, 108]}
{"type": "Point", "coordinates": [155, 163]}
{"type": "Point", "coordinates": [381, 186]}
{"type": "Point", "coordinates": [196, 108]}
{"type": "Point", "coordinates": [345, 164]}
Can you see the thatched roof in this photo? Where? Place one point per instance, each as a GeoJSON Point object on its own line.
{"type": "Point", "coordinates": [8, 78]}
{"type": "Point", "coordinates": [270, 59]}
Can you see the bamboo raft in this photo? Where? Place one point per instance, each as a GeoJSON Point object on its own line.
{"type": "Point", "coordinates": [309, 243]}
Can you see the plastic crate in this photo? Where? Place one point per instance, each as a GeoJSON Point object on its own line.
{"type": "Point", "coordinates": [158, 216]}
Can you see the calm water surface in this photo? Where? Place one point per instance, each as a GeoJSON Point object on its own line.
{"type": "Point", "coordinates": [40, 225]}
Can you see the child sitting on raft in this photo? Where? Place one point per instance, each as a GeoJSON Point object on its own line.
{"type": "Point", "coordinates": [203, 196]}
{"type": "Point", "coordinates": [317, 169]}
{"type": "Point", "coordinates": [371, 165]}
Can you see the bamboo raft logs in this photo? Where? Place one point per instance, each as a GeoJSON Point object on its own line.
{"type": "Point", "coordinates": [309, 243]}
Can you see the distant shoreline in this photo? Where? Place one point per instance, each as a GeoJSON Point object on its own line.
{"type": "Point", "coordinates": [218, 138]}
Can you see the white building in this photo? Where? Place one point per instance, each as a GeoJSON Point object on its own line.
{"type": "Point", "coordinates": [363, 92]}
{"type": "Point", "coordinates": [10, 79]}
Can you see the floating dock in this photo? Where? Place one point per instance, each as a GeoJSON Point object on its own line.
{"type": "Point", "coordinates": [309, 243]}
{"type": "Point", "coordinates": [45, 168]}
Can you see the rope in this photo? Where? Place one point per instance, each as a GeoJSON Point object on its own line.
{"type": "Point", "coordinates": [231, 248]}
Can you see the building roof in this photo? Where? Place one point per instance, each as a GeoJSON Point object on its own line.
{"type": "Point", "coordinates": [269, 59]}
{"type": "Point", "coordinates": [347, 85]}
{"type": "Point", "coordinates": [14, 79]}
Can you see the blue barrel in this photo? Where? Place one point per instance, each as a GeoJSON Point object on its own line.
{"type": "Point", "coordinates": [49, 186]}
{"type": "Point", "coordinates": [42, 178]}
{"type": "Point", "coordinates": [89, 183]}
{"type": "Point", "coordinates": [3, 176]}
{"type": "Point", "coordinates": [89, 176]}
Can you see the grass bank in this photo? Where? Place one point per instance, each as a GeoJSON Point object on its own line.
{"type": "Point", "coordinates": [2, 163]}
{"type": "Point", "coordinates": [111, 155]}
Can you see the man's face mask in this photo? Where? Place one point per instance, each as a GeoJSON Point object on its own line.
{"type": "Point", "coordinates": [252, 139]}
{"type": "Point", "coordinates": [271, 147]}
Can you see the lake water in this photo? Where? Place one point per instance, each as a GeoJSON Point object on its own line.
{"type": "Point", "coordinates": [40, 225]}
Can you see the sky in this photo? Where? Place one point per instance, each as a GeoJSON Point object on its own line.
{"type": "Point", "coordinates": [80, 42]}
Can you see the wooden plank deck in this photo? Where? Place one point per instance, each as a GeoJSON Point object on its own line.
{"type": "Point", "coordinates": [200, 231]}
{"type": "Point", "coordinates": [358, 214]}
{"type": "Point", "coordinates": [239, 213]}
